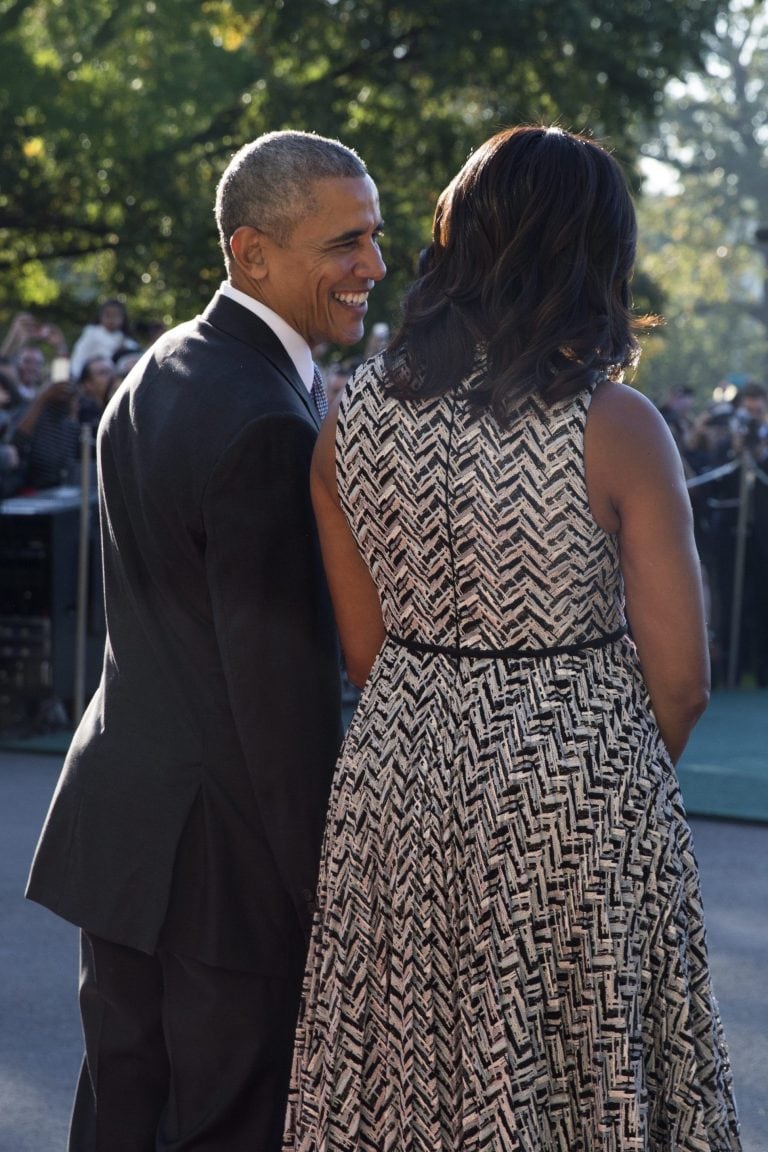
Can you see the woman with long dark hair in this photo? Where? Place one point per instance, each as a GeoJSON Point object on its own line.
{"type": "Point", "coordinates": [509, 950]}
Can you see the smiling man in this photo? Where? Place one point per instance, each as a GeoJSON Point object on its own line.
{"type": "Point", "coordinates": [185, 833]}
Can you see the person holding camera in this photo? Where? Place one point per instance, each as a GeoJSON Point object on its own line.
{"type": "Point", "coordinates": [47, 437]}
{"type": "Point", "coordinates": [22, 343]}
{"type": "Point", "coordinates": [750, 421]}
{"type": "Point", "coordinates": [739, 435]}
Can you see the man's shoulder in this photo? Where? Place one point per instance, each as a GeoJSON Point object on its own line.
{"type": "Point", "coordinates": [226, 336]}
{"type": "Point", "coordinates": [197, 376]}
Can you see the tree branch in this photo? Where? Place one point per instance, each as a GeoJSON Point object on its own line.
{"type": "Point", "coordinates": [12, 260]}
{"type": "Point", "coordinates": [26, 223]}
{"type": "Point", "coordinates": [13, 14]}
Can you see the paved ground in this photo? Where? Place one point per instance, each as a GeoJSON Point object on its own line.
{"type": "Point", "coordinates": [39, 1025]}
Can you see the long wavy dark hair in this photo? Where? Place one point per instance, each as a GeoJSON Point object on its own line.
{"type": "Point", "coordinates": [533, 246]}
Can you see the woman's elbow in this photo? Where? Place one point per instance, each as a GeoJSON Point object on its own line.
{"type": "Point", "coordinates": [693, 700]}
{"type": "Point", "coordinates": [358, 671]}
{"type": "Point", "coordinates": [699, 705]}
{"type": "Point", "coordinates": [361, 646]}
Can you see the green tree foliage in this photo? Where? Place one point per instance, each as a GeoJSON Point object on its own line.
{"type": "Point", "coordinates": [699, 242]}
{"type": "Point", "coordinates": [119, 118]}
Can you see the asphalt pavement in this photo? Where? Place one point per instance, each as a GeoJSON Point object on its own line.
{"type": "Point", "coordinates": [40, 1040]}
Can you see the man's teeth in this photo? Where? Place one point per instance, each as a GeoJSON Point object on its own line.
{"type": "Point", "coordinates": [354, 298]}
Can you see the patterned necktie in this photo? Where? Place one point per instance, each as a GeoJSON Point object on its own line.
{"type": "Point", "coordinates": [318, 394]}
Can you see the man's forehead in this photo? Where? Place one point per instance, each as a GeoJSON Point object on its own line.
{"type": "Point", "coordinates": [344, 189]}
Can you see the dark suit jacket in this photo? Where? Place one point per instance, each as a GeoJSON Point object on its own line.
{"type": "Point", "coordinates": [190, 809]}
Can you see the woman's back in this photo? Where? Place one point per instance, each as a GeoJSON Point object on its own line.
{"type": "Point", "coordinates": [477, 536]}
{"type": "Point", "coordinates": [505, 833]}
{"type": "Point", "coordinates": [509, 948]}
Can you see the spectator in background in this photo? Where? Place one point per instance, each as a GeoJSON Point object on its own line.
{"type": "Point", "coordinates": [26, 329]}
{"type": "Point", "coordinates": [708, 440]}
{"type": "Point", "coordinates": [377, 341]}
{"type": "Point", "coordinates": [339, 371]}
{"type": "Point", "coordinates": [121, 369]}
{"type": "Point", "coordinates": [30, 367]}
{"type": "Point", "coordinates": [703, 448]}
{"type": "Point", "coordinates": [22, 343]}
{"type": "Point", "coordinates": [750, 423]}
{"type": "Point", "coordinates": [147, 331]}
{"type": "Point", "coordinates": [12, 403]}
{"type": "Point", "coordinates": [106, 338]}
{"type": "Point", "coordinates": [676, 409]}
{"type": "Point", "coordinates": [750, 434]}
{"type": "Point", "coordinates": [47, 437]}
{"type": "Point", "coordinates": [22, 329]}
{"type": "Point", "coordinates": [719, 437]}
{"type": "Point", "coordinates": [336, 375]}
{"type": "Point", "coordinates": [12, 407]}
{"type": "Point", "coordinates": [95, 387]}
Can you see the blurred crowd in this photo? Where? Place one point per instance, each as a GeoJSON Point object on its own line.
{"type": "Point", "coordinates": [49, 393]}
{"type": "Point", "coordinates": [724, 448]}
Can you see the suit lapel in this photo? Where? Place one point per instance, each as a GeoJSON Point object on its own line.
{"type": "Point", "coordinates": [240, 323]}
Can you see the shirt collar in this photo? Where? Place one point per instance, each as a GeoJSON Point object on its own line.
{"type": "Point", "coordinates": [295, 345]}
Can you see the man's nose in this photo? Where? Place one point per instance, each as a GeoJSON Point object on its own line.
{"type": "Point", "coordinates": [371, 264]}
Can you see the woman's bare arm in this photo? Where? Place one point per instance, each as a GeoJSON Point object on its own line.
{"type": "Point", "coordinates": [355, 598]}
{"type": "Point", "coordinates": [637, 489]}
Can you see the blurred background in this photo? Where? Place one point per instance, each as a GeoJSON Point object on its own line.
{"type": "Point", "coordinates": [118, 120]}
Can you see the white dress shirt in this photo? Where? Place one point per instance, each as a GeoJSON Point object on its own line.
{"type": "Point", "coordinates": [295, 345]}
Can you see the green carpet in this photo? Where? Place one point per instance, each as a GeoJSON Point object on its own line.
{"type": "Point", "coordinates": [55, 743]}
{"type": "Point", "coordinates": [723, 771]}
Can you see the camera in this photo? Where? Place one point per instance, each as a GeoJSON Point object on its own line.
{"type": "Point", "coordinates": [745, 426]}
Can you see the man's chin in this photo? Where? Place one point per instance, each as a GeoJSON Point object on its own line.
{"type": "Point", "coordinates": [349, 336]}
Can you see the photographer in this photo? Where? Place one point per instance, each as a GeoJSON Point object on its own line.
{"type": "Point", "coordinates": [750, 421]}
{"type": "Point", "coordinates": [22, 344]}
{"type": "Point", "coordinates": [747, 443]}
{"type": "Point", "coordinates": [47, 437]}
{"type": "Point", "coordinates": [708, 442]}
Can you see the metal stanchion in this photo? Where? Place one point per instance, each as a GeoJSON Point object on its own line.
{"type": "Point", "coordinates": [86, 445]}
{"type": "Point", "coordinates": [750, 473]}
{"type": "Point", "coordinates": [746, 484]}
{"type": "Point", "coordinates": [708, 478]}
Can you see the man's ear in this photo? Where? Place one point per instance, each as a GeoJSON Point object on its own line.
{"type": "Point", "coordinates": [248, 251]}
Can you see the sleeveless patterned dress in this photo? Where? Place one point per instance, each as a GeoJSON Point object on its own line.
{"type": "Point", "coordinates": [509, 953]}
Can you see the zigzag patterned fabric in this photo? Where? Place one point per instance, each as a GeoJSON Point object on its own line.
{"type": "Point", "coordinates": [509, 951]}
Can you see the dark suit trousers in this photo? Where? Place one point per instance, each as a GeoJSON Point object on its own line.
{"type": "Point", "coordinates": [180, 1057]}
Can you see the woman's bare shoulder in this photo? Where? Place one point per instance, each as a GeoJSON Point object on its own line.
{"type": "Point", "coordinates": [626, 426]}
{"type": "Point", "coordinates": [629, 450]}
{"type": "Point", "coordinates": [624, 410]}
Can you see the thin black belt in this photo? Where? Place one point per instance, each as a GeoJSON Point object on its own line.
{"type": "Point", "coordinates": [514, 652]}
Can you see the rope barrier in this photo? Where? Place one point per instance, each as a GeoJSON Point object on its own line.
{"type": "Point", "coordinates": [715, 474]}
{"type": "Point", "coordinates": [724, 470]}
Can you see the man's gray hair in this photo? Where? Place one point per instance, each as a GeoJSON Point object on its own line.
{"type": "Point", "coordinates": [268, 183]}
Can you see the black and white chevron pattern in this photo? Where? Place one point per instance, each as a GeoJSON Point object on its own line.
{"type": "Point", "coordinates": [509, 950]}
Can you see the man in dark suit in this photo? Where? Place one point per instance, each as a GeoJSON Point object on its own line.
{"type": "Point", "coordinates": [185, 831]}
